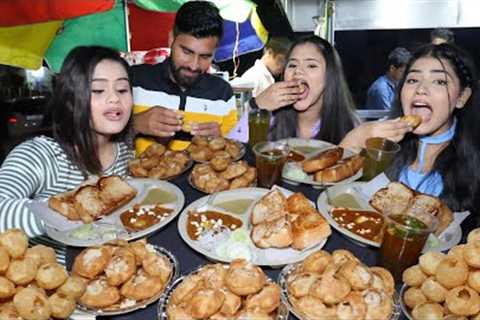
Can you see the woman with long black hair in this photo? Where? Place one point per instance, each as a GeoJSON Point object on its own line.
{"type": "Point", "coordinates": [441, 156]}
{"type": "Point", "coordinates": [92, 103]}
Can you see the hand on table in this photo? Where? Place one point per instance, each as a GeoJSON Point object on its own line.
{"type": "Point", "coordinates": [158, 121]}
{"type": "Point", "coordinates": [393, 130]}
{"type": "Point", "coordinates": [278, 95]}
{"type": "Point", "coordinates": [211, 129]}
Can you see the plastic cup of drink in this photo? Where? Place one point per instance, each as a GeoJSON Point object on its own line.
{"type": "Point", "coordinates": [379, 154]}
{"type": "Point", "coordinates": [404, 236]}
{"type": "Point", "coordinates": [258, 126]}
{"type": "Point", "coordinates": [270, 158]}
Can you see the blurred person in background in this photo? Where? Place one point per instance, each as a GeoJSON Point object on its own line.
{"type": "Point", "coordinates": [265, 70]}
{"type": "Point", "coordinates": [381, 93]}
{"type": "Point", "coordinates": [442, 35]}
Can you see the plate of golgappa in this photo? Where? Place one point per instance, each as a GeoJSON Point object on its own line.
{"type": "Point", "coordinates": [338, 285]}
{"type": "Point", "coordinates": [122, 277]}
{"type": "Point", "coordinates": [444, 285]}
{"type": "Point", "coordinates": [33, 284]}
{"type": "Point", "coordinates": [238, 290]}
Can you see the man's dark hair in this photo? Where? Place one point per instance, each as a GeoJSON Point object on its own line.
{"type": "Point", "coordinates": [279, 45]}
{"type": "Point", "coordinates": [444, 34]}
{"type": "Point", "coordinates": [200, 19]}
{"type": "Point", "coordinates": [398, 57]}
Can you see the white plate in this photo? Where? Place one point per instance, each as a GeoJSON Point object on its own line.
{"type": "Point", "coordinates": [282, 282]}
{"type": "Point", "coordinates": [317, 146]}
{"type": "Point", "coordinates": [110, 227]}
{"type": "Point", "coordinates": [313, 146]}
{"type": "Point", "coordinates": [325, 208]}
{"type": "Point", "coordinates": [143, 303]}
{"type": "Point", "coordinates": [263, 257]}
{"type": "Point", "coordinates": [355, 189]}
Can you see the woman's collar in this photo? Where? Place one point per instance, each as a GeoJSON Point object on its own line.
{"type": "Point", "coordinates": [443, 137]}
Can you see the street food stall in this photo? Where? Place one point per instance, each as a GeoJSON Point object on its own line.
{"type": "Point", "coordinates": [289, 229]}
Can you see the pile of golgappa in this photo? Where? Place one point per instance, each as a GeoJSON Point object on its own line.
{"type": "Point", "coordinates": [446, 285]}
{"type": "Point", "coordinates": [122, 275]}
{"type": "Point", "coordinates": [33, 286]}
{"type": "Point", "coordinates": [338, 285]}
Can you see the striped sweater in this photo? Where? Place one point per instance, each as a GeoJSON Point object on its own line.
{"type": "Point", "coordinates": [210, 99]}
{"type": "Point", "coordinates": [38, 169]}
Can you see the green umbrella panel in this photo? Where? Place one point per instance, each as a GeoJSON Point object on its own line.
{"type": "Point", "coordinates": [105, 28]}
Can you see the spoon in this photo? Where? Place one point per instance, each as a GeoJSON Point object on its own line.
{"type": "Point", "coordinates": [208, 204]}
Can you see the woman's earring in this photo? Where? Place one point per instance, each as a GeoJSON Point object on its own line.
{"type": "Point", "coordinates": [459, 104]}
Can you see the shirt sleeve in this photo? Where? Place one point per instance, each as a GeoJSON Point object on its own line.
{"type": "Point", "coordinates": [20, 177]}
{"type": "Point", "coordinates": [244, 81]}
{"type": "Point", "coordinates": [378, 98]}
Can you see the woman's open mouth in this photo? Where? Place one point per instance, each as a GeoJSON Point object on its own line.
{"type": "Point", "coordinates": [113, 114]}
{"type": "Point", "coordinates": [422, 109]}
{"type": "Point", "coordinates": [304, 90]}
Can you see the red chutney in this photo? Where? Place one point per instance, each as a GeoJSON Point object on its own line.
{"type": "Point", "coordinates": [366, 224]}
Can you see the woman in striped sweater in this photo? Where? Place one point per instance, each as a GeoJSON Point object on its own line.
{"type": "Point", "coordinates": [91, 107]}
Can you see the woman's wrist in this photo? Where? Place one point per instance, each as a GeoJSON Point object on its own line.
{"type": "Point", "coordinates": [354, 139]}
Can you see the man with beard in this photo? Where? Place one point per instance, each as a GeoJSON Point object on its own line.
{"type": "Point", "coordinates": [177, 98]}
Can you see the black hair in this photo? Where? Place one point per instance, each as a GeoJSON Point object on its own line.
{"type": "Point", "coordinates": [398, 57]}
{"type": "Point", "coordinates": [71, 106]}
{"type": "Point", "coordinates": [458, 162]}
{"type": "Point", "coordinates": [337, 114]}
{"type": "Point", "coordinates": [279, 45]}
{"type": "Point", "coordinates": [443, 33]}
{"type": "Point", "coordinates": [200, 19]}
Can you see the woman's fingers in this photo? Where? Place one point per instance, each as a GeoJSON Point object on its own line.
{"type": "Point", "coordinates": [391, 127]}
{"type": "Point", "coordinates": [289, 99]}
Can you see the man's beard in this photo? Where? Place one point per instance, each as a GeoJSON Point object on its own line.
{"type": "Point", "coordinates": [181, 80]}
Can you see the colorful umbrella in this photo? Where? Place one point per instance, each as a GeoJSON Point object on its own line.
{"type": "Point", "coordinates": [104, 22]}
{"type": "Point", "coordinates": [27, 53]}
{"type": "Point", "coordinates": [241, 38]}
{"type": "Point", "coordinates": [17, 12]}
{"type": "Point", "coordinates": [104, 28]}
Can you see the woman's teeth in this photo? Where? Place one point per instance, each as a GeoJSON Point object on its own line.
{"type": "Point", "coordinates": [113, 115]}
{"type": "Point", "coordinates": [421, 104]}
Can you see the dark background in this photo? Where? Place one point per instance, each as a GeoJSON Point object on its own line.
{"type": "Point", "coordinates": [364, 53]}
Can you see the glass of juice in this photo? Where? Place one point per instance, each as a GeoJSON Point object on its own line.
{"type": "Point", "coordinates": [379, 154]}
{"type": "Point", "coordinates": [404, 237]}
{"type": "Point", "coordinates": [258, 126]}
{"type": "Point", "coordinates": [270, 158]}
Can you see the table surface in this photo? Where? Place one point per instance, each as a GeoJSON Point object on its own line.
{"type": "Point", "coordinates": [169, 238]}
